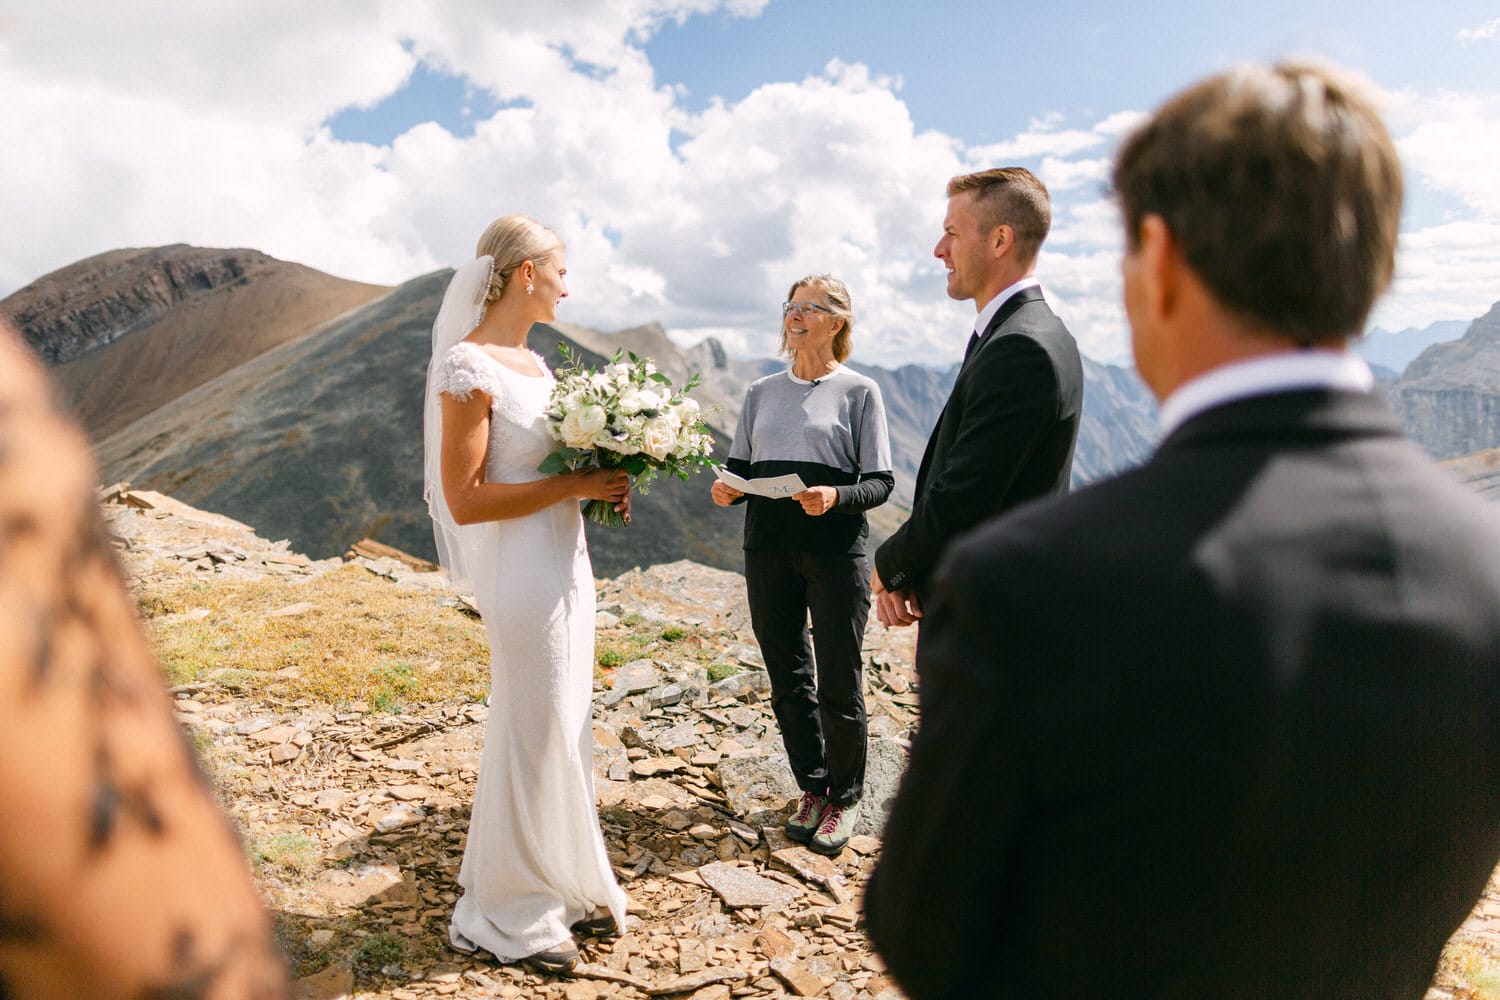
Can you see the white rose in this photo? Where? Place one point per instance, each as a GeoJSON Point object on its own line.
{"type": "Point", "coordinates": [579, 426]}
{"type": "Point", "coordinates": [592, 418]}
{"type": "Point", "coordinates": [659, 438]}
{"type": "Point", "coordinates": [687, 411]}
{"type": "Point", "coordinates": [632, 401]}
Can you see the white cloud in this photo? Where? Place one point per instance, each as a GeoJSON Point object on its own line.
{"type": "Point", "coordinates": [136, 123]}
{"type": "Point", "coordinates": [1454, 146]}
{"type": "Point", "coordinates": [1037, 143]}
{"type": "Point", "coordinates": [1120, 123]}
{"type": "Point", "coordinates": [1084, 290]}
{"type": "Point", "coordinates": [1445, 271]}
{"type": "Point", "coordinates": [1488, 30]}
{"type": "Point", "coordinates": [1448, 268]}
{"type": "Point", "coordinates": [1061, 174]}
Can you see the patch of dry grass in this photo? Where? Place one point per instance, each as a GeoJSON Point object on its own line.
{"type": "Point", "coordinates": [1470, 968]}
{"type": "Point", "coordinates": [1470, 963]}
{"type": "Point", "coordinates": [296, 853]}
{"type": "Point", "coordinates": [361, 640]}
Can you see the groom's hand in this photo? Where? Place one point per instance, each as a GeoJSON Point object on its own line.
{"type": "Point", "coordinates": [894, 608]}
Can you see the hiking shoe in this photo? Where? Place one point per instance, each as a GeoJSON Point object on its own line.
{"type": "Point", "coordinates": [806, 820]}
{"type": "Point", "coordinates": [599, 924]}
{"type": "Point", "coordinates": [835, 828]}
{"type": "Point", "coordinates": [557, 961]}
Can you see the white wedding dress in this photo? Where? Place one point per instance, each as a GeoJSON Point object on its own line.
{"type": "Point", "coordinates": [535, 862]}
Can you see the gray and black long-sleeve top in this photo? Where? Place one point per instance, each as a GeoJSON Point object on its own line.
{"type": "Point", "coordinates": [830, 432]}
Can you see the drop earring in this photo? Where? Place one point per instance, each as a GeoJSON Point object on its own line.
{"type": "Point", "coordinates": [530, 288]}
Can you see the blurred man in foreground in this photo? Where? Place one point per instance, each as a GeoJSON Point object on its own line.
{"type": "Point", "coordinates": [1228, 725]}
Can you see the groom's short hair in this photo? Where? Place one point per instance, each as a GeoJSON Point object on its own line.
{"type": "Point", "coordinates": [1010, 196]}
{"type": "Point", "coordinates": [1283, 189]}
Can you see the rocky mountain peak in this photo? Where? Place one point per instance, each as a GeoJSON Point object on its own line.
{"type": "Point", "coordinates": [95, 301]}
{"type": "Point", "coordinates": [1471, 360]}
{"type": "Point", "coordinates": [1447, 396]}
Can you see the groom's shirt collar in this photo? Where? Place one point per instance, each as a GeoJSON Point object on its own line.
{"type": "Point", "coordinates": [993, 305]}
{"type": "Point", "coordinates": [1309, 369]}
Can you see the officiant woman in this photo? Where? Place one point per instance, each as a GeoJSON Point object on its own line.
{"type": "Point", "coordinates": [805, 554]}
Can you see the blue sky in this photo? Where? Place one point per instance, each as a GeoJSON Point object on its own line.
{"type": "Point", "coordinates": [697, 155]}
{"type": "Point", "coordinates": [1083, 60]}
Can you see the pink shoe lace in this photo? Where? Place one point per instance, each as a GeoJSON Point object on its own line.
{"type": "Point", "coordinates": [808, 810]}
{"type": "Point", "coordinates": [831, 817]}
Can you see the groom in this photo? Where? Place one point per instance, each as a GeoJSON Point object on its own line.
{"type": "Point", "coordinates": [1007, 432]}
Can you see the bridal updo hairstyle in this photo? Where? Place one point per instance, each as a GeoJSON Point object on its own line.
{"type": "Point", "coordinates": [838, 300]}
{"type": "Point", "coordinates": [512, 240]}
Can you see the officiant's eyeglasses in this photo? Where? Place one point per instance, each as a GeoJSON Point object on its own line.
{"type": "Point", "coordinates": [803, 308]}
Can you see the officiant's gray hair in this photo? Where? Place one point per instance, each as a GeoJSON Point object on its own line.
{"type": "Point", "coordinates": [511, 240]}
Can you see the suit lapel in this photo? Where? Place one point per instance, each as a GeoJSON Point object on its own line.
{"type": "Point", "coordinates": [1005, 312]}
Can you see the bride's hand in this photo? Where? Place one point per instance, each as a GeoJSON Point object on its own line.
{"type": "Point", "coordinates": [612, 485]}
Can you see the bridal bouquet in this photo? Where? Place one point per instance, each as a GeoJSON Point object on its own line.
{"type": "Point", "coordinates": [624, 416]}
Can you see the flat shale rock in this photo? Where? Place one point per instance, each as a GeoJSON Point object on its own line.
{"type": "Point", "coordinates": [757, 782]}
{"type": "Point", "coordinates": [698, 980]}
{"type": "Point", "coordinates": [739, 887]}
{"type": "Point", "coordinates": [333, 983]}
{"type": "Point", "coordinates": [357, 884]}
{"type": "Point", "coordinates": [635, 677]}
{"type": "Point", "coordinates": [593, 970]}
{"type": "Point", "coordinates": [800, 981]}
{"type": "Point", "coordinates": [811, 867]}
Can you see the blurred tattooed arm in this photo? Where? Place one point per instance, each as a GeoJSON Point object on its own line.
{"type": "Point", "coordinates": [119, 875]}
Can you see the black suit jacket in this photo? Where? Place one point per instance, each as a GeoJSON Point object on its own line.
{"type": "Point", "coordinates": [1226, 726]}
{"type": "Point", "coordinates": [1006, 435]}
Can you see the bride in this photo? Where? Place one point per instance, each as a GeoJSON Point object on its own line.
{"type": "Point", "coordinates": [534, 871]}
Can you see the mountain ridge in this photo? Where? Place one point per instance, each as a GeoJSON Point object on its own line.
{"type": "Point", "coordinates": [127, 331]}
{"type": "Point", "coordinates": [314, 432]}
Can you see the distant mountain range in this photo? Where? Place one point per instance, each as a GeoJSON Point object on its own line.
{"type": "Point", "coordinates": [291, 400]}
{"type": "Point", "coordinates": [1394, 351]}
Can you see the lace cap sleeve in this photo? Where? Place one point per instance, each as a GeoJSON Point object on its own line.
{"type": "Point", "coordinates": [464, 369]}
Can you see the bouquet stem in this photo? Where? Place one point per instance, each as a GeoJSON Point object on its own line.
{"type": "Point", "coordinates": [603, 512]}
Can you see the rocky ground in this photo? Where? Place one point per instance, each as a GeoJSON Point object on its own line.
{"type": "Point", "coordinates": [355, 818]}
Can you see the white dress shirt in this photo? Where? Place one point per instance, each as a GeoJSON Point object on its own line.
{"type": "Point", "coordinates": [993, 305]}
{"type": "Point", "coordinates": [1284, 372]}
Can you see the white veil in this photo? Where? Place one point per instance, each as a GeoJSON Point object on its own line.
{"type": "Point", "coordinates": [459, 547]}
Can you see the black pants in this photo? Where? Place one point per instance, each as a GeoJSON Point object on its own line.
{"type": "Point", "coordinates": [821, 709]}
